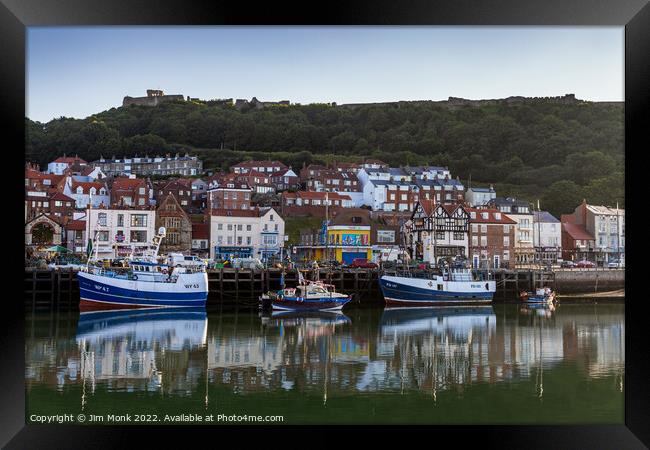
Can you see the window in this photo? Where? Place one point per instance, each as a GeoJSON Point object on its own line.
{"type": "Point", "coordinates": [506, 241]}
{"type": "Point", "coordinates": [219, 239]}
{"type": "Point", "coordinates": [248, 227]}
{"type": "Point", "coordinates": [102, 236]}
{"type": "Point", "coordinates": [229, 240]}
{"type": "Point", "coordinates": [239, 227]}
{"type": "Point", "coordinates": [483, 241]}
{"type": "Point", "coordinates": [138, 236]}
{"type": "Point", "coordinates": [248, 240]}
{"type": "Point", "coordinates": [276, 227]}
{"type": "Point", "coordinates": [271, 219]}
{"type": "Point", "coordinates": [101, 219]}
{"type": "Point", "coordinates": [506, 255]}
{"type": "Point", "coordinates": [483, 228]}
{"type": "Point", "coordinates": [269, 239]}
{"type": "Point", "coordinates": [506, 229]}
{"type": "Point", "coordinates": [138, 220]}
{"type": "Point", "coordinates": [475, 241]}
{"type": "Point", "coordinates": [472, 214]}
{"type": "Point", "coordinates": [239, 240]}
{"type": "Point", "coordinates": [440, 235]}
{"type": "Point", "coordinates": [120, 220]}
{"type": "Point", "coordinates": [474, 227]}
{"type": "Point", "coordinates": [229, 227]}
{"type": "Point", "coordinates": [140, 201]}
{"type": "Point", "coordinates": [385, 236]}
{"type": "Point", "coordinates": [141, 191]}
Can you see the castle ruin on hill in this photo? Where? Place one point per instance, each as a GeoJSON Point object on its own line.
{"type": "Point", "coordinates": [154, 97]}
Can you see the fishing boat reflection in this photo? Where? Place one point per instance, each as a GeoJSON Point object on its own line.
{"type": "Point", "coordinates": [538, 309]}
{"type": "Point", "coordinates": [457, 320]}
{"type": "Point", "coordinates": [323, 320]}
{"type": "Point", "coordinates": [124, 349]}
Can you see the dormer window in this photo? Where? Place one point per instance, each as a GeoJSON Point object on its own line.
{"type": "Point", "coordinates": [80, 190]}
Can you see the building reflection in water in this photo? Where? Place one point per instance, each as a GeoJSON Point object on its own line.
{"type": "Point", "coordinates": [395, 350]}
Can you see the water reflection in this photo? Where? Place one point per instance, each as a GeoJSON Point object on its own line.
{"type": "Point", "coordinates": [405, 351]}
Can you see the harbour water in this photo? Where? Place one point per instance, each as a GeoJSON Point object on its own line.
{"type": "Point", "coordinates": [500, 364]}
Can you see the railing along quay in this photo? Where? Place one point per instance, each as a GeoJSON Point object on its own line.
{"type": "Point", "coordinates": [59, 289]}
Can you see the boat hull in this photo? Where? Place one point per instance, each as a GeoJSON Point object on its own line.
{"type": "Point", "coordinates": [406, 291]}
{"type": "Point", "coordinates": [100, 292]}
{"type": "Point", "coordinates": [317, 304]}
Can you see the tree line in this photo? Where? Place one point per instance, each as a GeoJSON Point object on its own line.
{"type": "Point", "coordinates": [555, 153]}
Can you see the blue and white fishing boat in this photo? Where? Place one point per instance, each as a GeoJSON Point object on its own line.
{"type": "Point", "coordinates": [453, 286]}
{"type": "Point", "coordinates": [144, 283]}
{"type": "Point", "coordinates": [307, 296]}
{"type": "Point", "coordinates": [542, 295]}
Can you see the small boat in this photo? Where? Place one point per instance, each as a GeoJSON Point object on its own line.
{"type": "Point", "coordinates": [542, 295]}
{"type": "Point", "coordinates": [144, 283]}
{"type": "Point", "coordinates": [307, 296]}
{"type": "Point", "coordinates": [454, 286]}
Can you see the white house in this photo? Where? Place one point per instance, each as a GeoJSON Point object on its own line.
{"type": "Point", "coordinates": [478, 196]}
{"type": "Point", "coordinates": [257, 233]}
{"type": "Point", "coordinates": [117, 231]}
{"type": "Point", "coordinates": [83, 191]}
{"type": "Point", "coordinates": [547, 237]}
{"type": "Point", "coordinates": [58, 166]}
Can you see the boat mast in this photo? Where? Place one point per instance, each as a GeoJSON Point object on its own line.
{"type": "Point", "coordinates": [539, 233]}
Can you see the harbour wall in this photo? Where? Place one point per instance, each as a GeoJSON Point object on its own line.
{"type": "Point", "coordinates": [59, 289]}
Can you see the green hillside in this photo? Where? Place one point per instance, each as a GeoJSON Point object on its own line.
{"type": "Point", "coordinates": [557, 152]}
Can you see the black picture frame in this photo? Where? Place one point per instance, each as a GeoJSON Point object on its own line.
{"type": "Point", "coordinates": [15, 15]}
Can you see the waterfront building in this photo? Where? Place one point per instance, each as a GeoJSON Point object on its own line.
{"type": "Point", "coordinates": [520, 212]}
{"type": "Point", "coordinates": [547, 237]}
{"type": "Point", "coordinates": [491, 237]}
{"type": "Point", "coordinates": [199, 193]}
{"type": "Point", "coordinates": [479, 196]}
{"type": "Point", "coordinates": [171, 215]}
{"type": "Point", "coordinates": [158, 165]}
{"type": "Point", "coordinates": [42, 231]}
{"type": "Point", "coordinates": [119, 230]}
{"type": "Point", "coordinates": [607, 227]}
{"type": "Point", "coordinates": [437, 231]}
{"type": "Point", "coordinates": [577, 243]}
{"type": "Point", "coordinates": [344, 238]}
{"type": "Point", "coordinates": [385, 239]}
{"type": "Point", "coordinates": [256, 232]}
{"type": "Point", "coordinates": [59, 165]}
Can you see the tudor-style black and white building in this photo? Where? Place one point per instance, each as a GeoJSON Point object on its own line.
{"type": "Point", "coordinates": [437, 231]}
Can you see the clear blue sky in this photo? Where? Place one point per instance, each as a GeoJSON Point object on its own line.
{"type": "Point", "coordinates": [78, 71]}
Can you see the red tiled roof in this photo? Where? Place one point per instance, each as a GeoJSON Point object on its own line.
{"type": "Point", "coordinates": [59, 196]}
{"type": "Point", "coordinates": [236, 212]}
{"type": "Point", "coordinates": [491, 216]}
{"type": "Point", "coordinates": [200, 231]}
{"type": "Point", "coordinates": [577, 232]}
{"type": "Point", "coordinates": [128, 183]}
{"type": "Point", "coordinates": [69, 160]}
{"type": "Point", "coordinates": [86, 185]}
{"type": "Point", "coordinates": [428, 205]}
{"type": "Point", "coordinates": [266, 163]}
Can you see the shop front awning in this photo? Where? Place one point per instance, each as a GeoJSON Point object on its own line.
{"type": "Point", "coordinates": [57, 249]}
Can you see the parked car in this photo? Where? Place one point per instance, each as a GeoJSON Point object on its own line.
{"type": "Point", "coordinates": [584, 264]}
{"type": "Point", "coordinates": [363, 263]}
{"type": "Point", "coordinates": [615, 264]}
{"type": "Point", "coordinates": [178, 260]}
{"type": "Point", "coordinates": [567, 264]}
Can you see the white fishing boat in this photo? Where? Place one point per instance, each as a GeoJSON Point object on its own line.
{"type": "Point", "coordinates": [143, 283]}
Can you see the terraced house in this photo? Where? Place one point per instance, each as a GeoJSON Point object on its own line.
{"type": "Point", "coordinates": [171, 215]}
